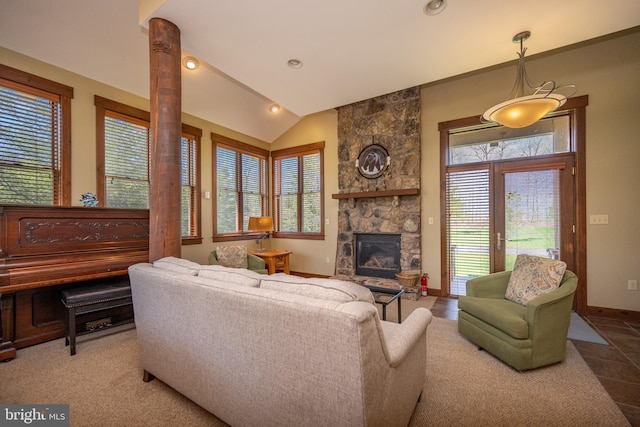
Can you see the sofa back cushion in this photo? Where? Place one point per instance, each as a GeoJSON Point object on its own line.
{"type": "Point", "coordinates": [327, 289]}
{"type": "Point", "coordinates": [533, 276]}
{"type": "Point", "coordinates": [232, 256]}
{"type": "Point", "coordinates": [238, 276]}
{"type": "Point", "coordinates": [178, 265]}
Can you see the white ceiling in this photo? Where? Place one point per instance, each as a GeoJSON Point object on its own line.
{"type": "Point", "coordinates": [351, 49]}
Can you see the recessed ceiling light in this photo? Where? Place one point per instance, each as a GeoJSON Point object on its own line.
{"type": "Point", "coordinates": [190, 63]}
{"type": "Point", "coordinates": [434, 7]}
{"type": "Point", "coordinates": [294, 63]}
{"type": "Point", "coordinates": [274, 108]}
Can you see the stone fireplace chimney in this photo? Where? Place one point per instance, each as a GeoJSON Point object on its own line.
{"type": "Point", "coordinates": [387, 204]}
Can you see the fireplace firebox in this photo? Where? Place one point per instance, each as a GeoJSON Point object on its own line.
{"type": "Point", "coordinates": [377, 255]}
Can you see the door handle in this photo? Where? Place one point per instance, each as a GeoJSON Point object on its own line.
{"type": "Point", "coordinates": [499, 241]}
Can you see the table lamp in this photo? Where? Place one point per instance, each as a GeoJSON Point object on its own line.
{"type": "Point", "coordinates": [263, 224]}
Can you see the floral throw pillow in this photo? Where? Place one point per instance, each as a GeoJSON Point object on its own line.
{"type": "Point", "coordinates": [533, 276]}
{"type": "Point", "coordinates": [232, 256]}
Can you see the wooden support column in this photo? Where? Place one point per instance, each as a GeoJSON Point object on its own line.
{"type": "Point", "coordinates": [165, 87]}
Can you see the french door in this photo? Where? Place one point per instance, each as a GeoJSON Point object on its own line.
{"type": "Point", "coordinates": [499, 209]}
{"type": "Point", "coordinates": [534, 210]}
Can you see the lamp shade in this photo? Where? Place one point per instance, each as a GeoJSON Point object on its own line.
{"type": "Point", "coordinates": [260, 223]}
{"type": "Point", "coordinates": [525, 110]}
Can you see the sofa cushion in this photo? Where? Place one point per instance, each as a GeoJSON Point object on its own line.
{"type": "Point", "coordinates": [232, 256]}
{"type": "Point", "coordinates": [238, 276]}
{"type": "Point", "coordinates": [505, 315]}
{"type": "Point", "coordinates": [327, 289]}
{"type": "Point", "coordinates": [533, 276]}
{"type": "Point", "coordinates": [178, 265]}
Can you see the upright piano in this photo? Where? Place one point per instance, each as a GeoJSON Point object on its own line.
{"type": "Point", "coordinates": [46, 249]}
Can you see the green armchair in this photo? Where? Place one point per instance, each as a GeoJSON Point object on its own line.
{"type": "Point", "coordinates": [254, 263]}
{"type": "Point", "coordinates": [524, 337]}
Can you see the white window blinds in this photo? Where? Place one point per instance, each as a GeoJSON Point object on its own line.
{"type": "Point", "coordinates": [29, 145]}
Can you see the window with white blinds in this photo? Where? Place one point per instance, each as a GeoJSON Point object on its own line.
{"type": "Point", "coordinates": [468, 225]}
{"type": "Point", "coordinates": [126, 155]}
{"type": "Point", "coordinates": [123, 139]}
{"type": "Point", "coordinates": [33, 160]}
{"type": "Point", "coordinates": [298, 191]}
{"type": "Point", "coordinates": [189, 155]}
{"type": "Point", "coordinates": [241, 186]}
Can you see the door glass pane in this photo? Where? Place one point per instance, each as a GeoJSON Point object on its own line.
{"type": "Point", "coordinates": [467, 227]}
{"type": "Point", "coordinates": [532, 214]}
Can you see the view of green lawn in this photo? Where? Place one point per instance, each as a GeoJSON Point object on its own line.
{"type": "Point", "coordinates": [470, 247]}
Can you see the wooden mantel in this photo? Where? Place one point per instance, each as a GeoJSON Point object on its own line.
{"type": "Point", "coordinates": [379, 193]}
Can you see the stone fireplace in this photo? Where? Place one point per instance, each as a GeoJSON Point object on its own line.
{"type": "Point", "coordinates": [387, 206]}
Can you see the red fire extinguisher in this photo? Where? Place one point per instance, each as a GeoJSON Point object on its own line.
{"type": "Point", "coordinates": [425, 276]}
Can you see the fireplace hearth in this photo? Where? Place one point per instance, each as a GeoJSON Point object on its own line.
{"type": "Point", "coordinates": [377, 255]}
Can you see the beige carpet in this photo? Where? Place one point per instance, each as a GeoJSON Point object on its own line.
{"type": "Point", "coordinates": [103, 385]}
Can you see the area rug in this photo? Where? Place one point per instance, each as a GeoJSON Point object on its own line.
{"type": "Point", "coordinates": [580, 330]}
{"type": "Point", "coordinates": [103, 385]}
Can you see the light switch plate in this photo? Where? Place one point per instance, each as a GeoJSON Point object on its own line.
{"type": "Point", "coordinates": [599, 219]}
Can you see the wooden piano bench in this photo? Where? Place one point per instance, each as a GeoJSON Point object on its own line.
{"type": "Point", "coordinates": [92, 298]}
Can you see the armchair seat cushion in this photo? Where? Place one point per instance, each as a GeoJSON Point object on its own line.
{"type": "Point", "coordinates": [505, 315]}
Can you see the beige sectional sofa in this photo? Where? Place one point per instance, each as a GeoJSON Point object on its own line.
{"type": "Point", "coordinates": [258, 350]}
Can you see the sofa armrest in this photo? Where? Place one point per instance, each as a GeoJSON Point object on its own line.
{"type": "Point", "coordinates": [406, 335]}
{"type": "Point", "coordinates": [490, 286]}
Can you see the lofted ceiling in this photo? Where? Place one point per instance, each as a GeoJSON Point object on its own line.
{"type": "Point", "coordinates": [351, 50]}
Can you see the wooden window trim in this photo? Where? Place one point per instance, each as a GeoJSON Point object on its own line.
{"type": "Point", "coordinates": [65, 94]}
{"type": "Point", "coordinates": [196, 207]}
{"type": "Point", "coordinates": [576, 108]}
{"type": "Point", "coordinates": [300, 151]}
{"type": "Point", "coordinates": [238, 147]}
{"type": "Point", "coordinates": [107, 107]}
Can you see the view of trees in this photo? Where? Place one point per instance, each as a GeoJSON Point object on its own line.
{"type": "Point", "coordinates": [503, 149]}
{"type": "Point", "coordinates": [240, 181]}
{"type": "Point", "coordinates": [29, 141]}
{"type": "Point", "coordinates": [299, 193]}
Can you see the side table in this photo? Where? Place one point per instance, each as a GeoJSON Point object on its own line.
{"type": "Point", "coordinates": [274, 258]}
{"type": "Point", "coordinates": [384, 297]}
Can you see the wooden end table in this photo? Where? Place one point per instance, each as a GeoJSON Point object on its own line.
{"type": "Point", "coordinates": [274, 258]}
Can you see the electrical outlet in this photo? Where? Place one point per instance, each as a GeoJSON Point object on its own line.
{"type": "Point", "coordinates": [327, 260]}
{"type": "Point", "coordinates": [632, 285]}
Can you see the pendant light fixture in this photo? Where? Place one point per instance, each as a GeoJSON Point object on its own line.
{"type": "Point", "coordinates": [525, 108]}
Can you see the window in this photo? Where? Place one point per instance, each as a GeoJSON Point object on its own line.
{"type": "Point", "coordinates": [35, 139]}
{"type": "Point", "coordinates": [298, 196]}
{"type": "Point", "coordinates": [124, 163]}
{"type": "Point", "coordinates": [240, 180]}
{"type": "Point", "coordinates": [491, 143]}
{"type": "Point", "coordinates": [190, 180]}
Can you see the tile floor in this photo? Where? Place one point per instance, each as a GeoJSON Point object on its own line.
{"type": "Point", "coordinates": [617, 365]}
